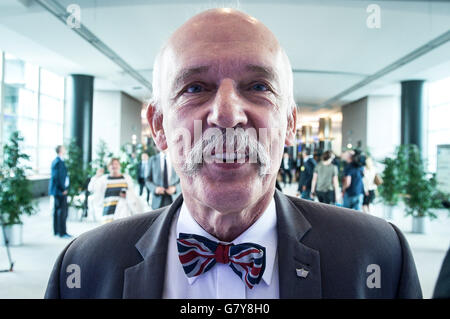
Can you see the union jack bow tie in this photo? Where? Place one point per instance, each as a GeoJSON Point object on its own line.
{"type": "Point", "coordinates": [198, 254]}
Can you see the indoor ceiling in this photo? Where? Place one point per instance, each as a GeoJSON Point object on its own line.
{"type": "Point", "coordinates": [329, 44]}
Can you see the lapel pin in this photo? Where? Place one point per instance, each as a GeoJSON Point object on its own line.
{"type": "Point", "coordinates": [302, 272]}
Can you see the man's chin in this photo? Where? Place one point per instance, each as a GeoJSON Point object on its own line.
{"type": "Point", "coordinates": [226, 199]}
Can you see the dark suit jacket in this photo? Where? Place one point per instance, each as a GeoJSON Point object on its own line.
{"type": "Point", "coordinates": [442, 288]}
{"type": "Point", "coordinates": [291, 164]}
{"type": "Point", "coordinates": [139, 171]}
{"type": "Point", "coordinates": [127, 258]}
{"type": "Point", "coordinates": [155, 179]}
{"type": "Point", "coordinates": [58, 179]}
{"type": "Point", "coordinates": [307, 174]}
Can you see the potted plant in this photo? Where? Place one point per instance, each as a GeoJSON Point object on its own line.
{"type": "Point", "coordinates": [103, 154]}
{"type": "Point", "coordinates": [389, 189]}
{"type": "Point", "coordinates": [421, 194]}
{"type": "Point", "coordinates": [16, 198]}
{"type": "Point", "coordinates": [394, 181]}
{"type": "Point", "coordinates": [151, 148]}
{"type": "Point", "coordinates": [78, 177]}
{"type": "Point", "coordinates": [129, 159]}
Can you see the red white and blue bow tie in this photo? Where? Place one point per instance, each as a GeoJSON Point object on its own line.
{"type": "Point", "coordinates": [198, 254]}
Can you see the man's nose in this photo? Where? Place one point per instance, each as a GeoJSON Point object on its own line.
{"type": "Point", "coordinates": [227, 109]}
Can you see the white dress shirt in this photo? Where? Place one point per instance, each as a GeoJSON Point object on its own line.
{"type": "Point", "coordinates": [144, 169]}
{"type": "Point", "coordinates": [169, 165]}
{"type": "Point", "coordinates": [286, 163]}
{"type": "Point", "coordinates": [220, 281]}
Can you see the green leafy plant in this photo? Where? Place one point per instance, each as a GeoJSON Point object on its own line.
{"type": "Point", "coordinates": [78, 174]}
{"type": "Point", "coordinates": [393, 180]}
{"type": "Point", "coordinates": [15, 189]}
{"type": "Point", "coordinates": [151, 148]}
{"type": "Point", "coordinates": [129, 158]}
{"type": "Point", "coordinates": [405, 178]}
{"type": "Point", "coordinates": [102, 156]}
{"type": "Point", "coordinates": [421, 194]}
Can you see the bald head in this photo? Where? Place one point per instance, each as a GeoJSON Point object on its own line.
{"type": "Point", "coordinates": [211, 34]}
{"type": "Point", "coordinates": [223, 26]}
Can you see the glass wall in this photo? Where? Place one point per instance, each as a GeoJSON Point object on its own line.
{"type": "Point", "coordinates": [438, 119]}
{"type": "Point", "coordinates": [33, 103]}
{"type": "Point", "coordinates": [51, 118]}
{"type": "Point", "coordinates": [1, 108]}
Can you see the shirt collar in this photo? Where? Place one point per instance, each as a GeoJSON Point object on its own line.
{"type": "Point", "coordinates": [263, 232]}
{"type": "Point", "coordinates": [165, 156]}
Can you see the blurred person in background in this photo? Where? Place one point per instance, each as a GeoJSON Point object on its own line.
{"type": "Point", "coordinates": [352, 186]}
{"type": "Point", "coordinates": [325, 182]}
{"type": "Point", "coordinates": [162, 181]}
{"type": "Point", "coordinates": [119, 199]}
{"type": "Point", "coordinates": [58, 188]}
{"type": "Point", "coordinates": [286, 166]}
{"type": "Point", "coordinates": [96, 198]}
{"type": "Point", "coordinates": [142, 174]}
{"type": "Point", "coordinates": [369, 184]}
{"type": "Point", "coordinates": [306, 174]}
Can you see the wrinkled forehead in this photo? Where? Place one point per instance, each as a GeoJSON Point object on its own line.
{"type": "Point", "coordinates": [222, 59]}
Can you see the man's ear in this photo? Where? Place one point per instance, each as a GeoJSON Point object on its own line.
{"type": "Point", "coordinates": [291, 127]}
{"type": "Point", "coordinates": [155, 120]}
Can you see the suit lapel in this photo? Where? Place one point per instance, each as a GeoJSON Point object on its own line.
{"type": "Point", "coordinates": [146, 279]}
{"type": "Point", "coordinates": [293, 255]}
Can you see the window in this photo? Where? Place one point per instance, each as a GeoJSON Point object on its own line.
{"type": "Point", "coordinates": [52, 84]}
{"type": "Point", "coordinates": [51, 109]}
{"type": "Point", "coordinates": [438, 115]}
{"type": "Point", "coordinates": [1, 106]}
{"type": "Point", "coordinates": [21, 74]}
{"type": "Point", "coordinates": [33, 103]}
{"type": "Point", "coordinates": [51, 118]}
{"type": "Point", "coordinates": [20, 103]}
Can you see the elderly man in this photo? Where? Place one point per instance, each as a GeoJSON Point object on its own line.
{"type": "Point", "coordinates": [231, 234]}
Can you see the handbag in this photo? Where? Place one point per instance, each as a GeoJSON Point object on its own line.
{"type": "Point", "coordinates": [377, 180]}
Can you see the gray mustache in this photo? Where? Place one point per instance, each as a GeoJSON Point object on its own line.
{"type": "Point", "coordinates": [239, 142]}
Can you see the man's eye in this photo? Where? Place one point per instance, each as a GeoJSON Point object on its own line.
{"type": "Point", "coordinates": [259, 87]}
{"type": "Point", "coordinates": [195, 88]}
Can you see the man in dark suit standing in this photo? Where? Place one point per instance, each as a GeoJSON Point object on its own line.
{"type": "Point", "coordinates": [142, 174]}
{"type": "Point", "coordinates": [58, 186]}
{"type": "Point", "coordinates": [221, 77]}
{"type": "Point", "coordinates": [306, 174]}
{"type": "Point", "coordinates": [287, 164]}
{"type": "Point", "coordinates": [162, 181]}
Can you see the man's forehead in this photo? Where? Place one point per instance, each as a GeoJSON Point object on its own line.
{"type": "Point", "coordinates": [240, 58]}
{"type": "Point", "coordinates": [221, 33]}
{"type": "Point", "coordinates": [220, 41]}
{"type": "Point", "coordinates": [200, 44]}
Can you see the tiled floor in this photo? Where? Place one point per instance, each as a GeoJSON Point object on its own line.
{"type": "Point", "coordinates": [34, 260]}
